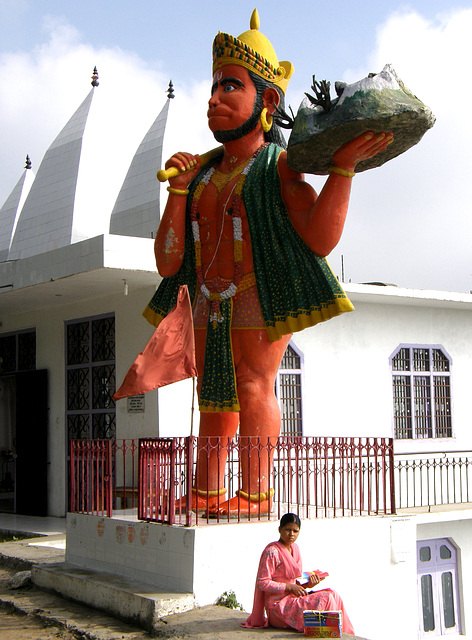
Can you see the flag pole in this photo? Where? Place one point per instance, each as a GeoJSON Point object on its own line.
{"type": "Point", "coordinates": [193, 405]}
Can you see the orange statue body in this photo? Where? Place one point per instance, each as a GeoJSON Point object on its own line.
{"type": "Point", "coordinates": [239, 114]}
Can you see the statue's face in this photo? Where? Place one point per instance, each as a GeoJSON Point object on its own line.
{"type": "Point", "coordinates": [232, 98]}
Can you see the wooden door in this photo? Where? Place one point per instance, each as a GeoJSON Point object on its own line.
{"type": "Point", "coordinates": [32, 443]}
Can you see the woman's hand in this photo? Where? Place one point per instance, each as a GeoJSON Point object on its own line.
{"type": "Point", "coordinates": [295, 589]}
{"type": "Point", "coordinates": [363, 147]}
{"type": "Point", "coordinates": [313, 580]}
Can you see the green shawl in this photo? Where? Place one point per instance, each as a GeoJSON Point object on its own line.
{"type": "Point", "coordinates": [296, 288]}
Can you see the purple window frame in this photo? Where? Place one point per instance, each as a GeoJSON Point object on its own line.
{"type": "Point", "coordinates": [422, 398]}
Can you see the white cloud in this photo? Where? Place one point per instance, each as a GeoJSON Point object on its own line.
{"type": "Point", "coordinates": [41, 90]}
{"type": "Point", "coordinates": [409, 221]}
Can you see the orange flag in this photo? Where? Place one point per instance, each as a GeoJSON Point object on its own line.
{"type": "Point", "coordinates": [168, 357]}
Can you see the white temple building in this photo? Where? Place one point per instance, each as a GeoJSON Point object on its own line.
{"type": "Point", "coordinates": [73, 244]}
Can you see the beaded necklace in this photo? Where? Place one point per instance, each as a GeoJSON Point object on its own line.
{"type": "Point", "coordinates": [216, 291]}
{"type": "Point", "coordinates": [220, 180]}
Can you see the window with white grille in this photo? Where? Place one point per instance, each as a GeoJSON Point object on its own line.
{"type": "Point", "coordinates": [421, 377]}
{"type": "Point", "coordinates": [288, 389]}
{"type": "Point", "coordinates": [438, 594]}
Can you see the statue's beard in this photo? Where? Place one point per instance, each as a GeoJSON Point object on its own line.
{"type": "Point", "coordinates": [235, 134]}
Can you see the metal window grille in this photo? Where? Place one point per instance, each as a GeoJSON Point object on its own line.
{"type": "Point", "coordinates": [440, 361]}
{"type": "Point", "coordinates": [401, 361]}
{"type": "Point", "coordinates": [90, 378]}
{"type": "Point", "coordinates": [421, 403]}
{"type": "Point", "coordinates": [289, 393]}
{"type": "Point", "coordinates": [402, 407]}
{"type": "Point", "coordinates": [442, 398]}
{"type": "Point", "coordinates": [18, 351]}
{"type": "Point", "coordinates": [422, 395]}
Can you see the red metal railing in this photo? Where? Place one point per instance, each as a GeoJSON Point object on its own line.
{"type": "Point", "coordinates": [316, 477]}
{"type": "Point", "coordinates": [103, 476]}
{"type": "Point", "coordinates": [91, 476]}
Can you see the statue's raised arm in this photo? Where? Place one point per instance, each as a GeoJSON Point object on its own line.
{"type": "Point", "coordinates": [319, 220]}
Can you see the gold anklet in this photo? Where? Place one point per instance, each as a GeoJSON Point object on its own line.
{"type": "Point", "coordinates": [209, 492]}
{"type": "Point", "coordinates": [256, 497]}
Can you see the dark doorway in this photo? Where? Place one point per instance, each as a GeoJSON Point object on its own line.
{"type": "Point", "coordinates": [7, 443]}
{"type": "Point", "coordinates": [31, 443]}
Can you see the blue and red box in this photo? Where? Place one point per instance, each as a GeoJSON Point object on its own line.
{"type": "Point", "coordinates": [323, 624]}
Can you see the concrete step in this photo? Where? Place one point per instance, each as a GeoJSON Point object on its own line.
{"type": "Point", "coordinates": [138, 603]}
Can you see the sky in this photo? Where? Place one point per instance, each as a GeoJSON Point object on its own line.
{"type": "Point", "coordinates": [409, 221]}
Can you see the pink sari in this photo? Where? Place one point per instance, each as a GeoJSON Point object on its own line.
{"type": "Point", "coordinates": [278, 566]}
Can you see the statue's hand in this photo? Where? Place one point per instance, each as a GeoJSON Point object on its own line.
{"type": "Point", "coordinates": [365, 146]}
{"type": "Point", "coordinates": [187, 165]}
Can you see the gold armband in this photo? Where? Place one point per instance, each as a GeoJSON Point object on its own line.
{"type": "Point", "coordinates": [177, 192]}
{"type": "Point", "coordinates": [342, 172]}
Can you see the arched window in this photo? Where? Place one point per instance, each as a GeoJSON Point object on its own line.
{"type": "Point", "coordinates": [288, 389]}
{"type": "Point", "coordinates": [421, 377]}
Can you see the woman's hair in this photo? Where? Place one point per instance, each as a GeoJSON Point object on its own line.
{"type": "Point", "coordinates": [288, 518]}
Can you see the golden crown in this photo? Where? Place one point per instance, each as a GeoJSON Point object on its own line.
{"type": "Point", "coordinates": [253, 51]}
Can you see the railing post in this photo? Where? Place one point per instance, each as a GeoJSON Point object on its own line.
{"type": "Point", "coordinates": [189, 446]}
{"type": "Point", "coordinates": [142, 479]}
{"type": "Point", "coordinates": [391, 464]}
{"type": "Point", "coordinates": [73, 488]}
{"type": "Point", "coordinates": [108, 478]}
{"type": "Point", "coordinates": [171, 488]}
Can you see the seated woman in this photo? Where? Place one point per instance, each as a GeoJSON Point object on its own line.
{"type": "Point", "coordinates": [277, 591]}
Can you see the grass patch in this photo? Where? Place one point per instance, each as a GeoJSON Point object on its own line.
{"type": "Point", "coordinates": [14, 536]}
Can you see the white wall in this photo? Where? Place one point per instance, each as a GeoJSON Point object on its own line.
{"type": "Point", "coordinates": [132, 334]}
{"type": "Point", "coordinates": [356, 552]}
{"type": "Point", "coordinates": [377, 586]}
{"type": "Point", "coordinates": [175, 410]}
{"type": "Point", "coordinates": [347, 384]}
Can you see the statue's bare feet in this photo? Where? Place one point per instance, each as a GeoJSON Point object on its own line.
{"type": "Point", "coordinates": [198, 503]}
{"type": "Point", "coordinates": [242, 506]}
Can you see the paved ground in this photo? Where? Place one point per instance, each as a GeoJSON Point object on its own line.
{"type": "Point", "coordinates": [19, 626]}
{"type": "Point", "coordinates": [30, 613]}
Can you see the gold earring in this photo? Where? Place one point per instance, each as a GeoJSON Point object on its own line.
{"type": "Point", "coordinates": [266, 120]}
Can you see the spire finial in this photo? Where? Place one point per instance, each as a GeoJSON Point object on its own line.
{"type": "Point", "coordinates": [27, 162]}
{"type": "Point", "coordinates": [254, 22]}
{"type": "Point", "coordinates": [95, 82]}
{"type": "Point", "coordinates": [170, 90]}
